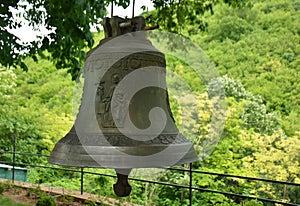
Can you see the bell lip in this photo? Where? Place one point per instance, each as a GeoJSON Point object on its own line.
{"type": "Point", "coordinates": [120, 139]}
{"type": "Point", "coordinates": [63, 155]}
{"type": "Point", "coordinates": [70, 151]}
{"type": "Point", "coordinates": [112, 166]}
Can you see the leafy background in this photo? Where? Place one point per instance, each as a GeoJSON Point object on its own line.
{"type": "Point", "coordinates": [256, 51]}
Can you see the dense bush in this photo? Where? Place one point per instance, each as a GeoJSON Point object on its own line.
{"type": "Point", "coordinates": [46, 201]}
{"type": "Point", "coordinates": [1, 188]}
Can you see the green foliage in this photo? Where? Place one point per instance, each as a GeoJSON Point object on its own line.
{"type": "Point", "coordinates": [68, 180]}
{"type": "Point", "coordinates": [257, 47]}
{"type": "Point", "coordinates": [69, 31]}
{"type": "Point", "coordinates": [90, 203]}
{"type": "Point", "coordinates": [253, 203]}
{"type": "Point", "coordinates": [94, 183]}
{"type": "Point", "coordinates": [30, 111]}
{"type": "Point", "coordinates": [66, 199]}
{"type": "Point", "coordinates": [213, 199]}
{"type": "Point", "coordinates": [1, 189]}
{"type": "Point", "coordinates": [255, 113]}
{"type": "Point", "coordinates": [294, 194]}
{"type": "Point", "coordinates": [9, 202]}
{"type": "Point", "coordinates": [256, 116]}
{"type": "Point", "coordinates": [275, 156]}
{"type": "Point", "coordinates": [230, 27]}
{"type": "Point", "coordinates": [35, 192]}
{"type": "Point", "coordinates": [176, 15]}
{"type": "Point", "coordinates": [69, 24]}
{"type": "Point", "coordinates": [46, 201]}
{"type": "Point", "coordinates": [241, 154]}
{"type": "Point", "coordinates": [255, 52]}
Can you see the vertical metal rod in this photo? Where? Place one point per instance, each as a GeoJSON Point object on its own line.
{"type": "Point", "coordinates": [14, 158]}
{"type": "Point", "coordinates": [191, 184]}
{"type": "Point", "coordinates": [81, 181]}
{"type": "Point", "coordinates": [112, 8]}
{"type": "Point", "coordinates": [133, 5]}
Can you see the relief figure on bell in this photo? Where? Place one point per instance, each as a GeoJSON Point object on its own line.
{"type": "Point", "coordinates": [100, 106]}
{"type": "Point", "coordinates": [118, 109]}
{"type": "Point", "coordinates": [107, 116]}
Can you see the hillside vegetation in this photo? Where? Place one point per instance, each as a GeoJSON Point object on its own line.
{"type": "Point", "coordinates": [256, 51]}
{"type": "Point", "coordinates": [259, 46]}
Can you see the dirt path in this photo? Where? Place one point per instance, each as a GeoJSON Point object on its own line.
{"type": "Point", "coordinates": [28, 193]}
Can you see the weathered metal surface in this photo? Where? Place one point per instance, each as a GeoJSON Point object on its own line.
{"type": "Point", "coordinates": [115, 126]}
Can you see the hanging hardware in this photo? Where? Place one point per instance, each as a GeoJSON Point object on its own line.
{"type": "Point", "coordinates": [133, 5]}
{"type": "Point", "coordinates": [112, 8]}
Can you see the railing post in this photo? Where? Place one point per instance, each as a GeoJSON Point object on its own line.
{"type": "Point", "coordinates": [14, 157]}
{"type": "Point", "coordinates": [191, 184]}
{"type": "Point", "coordinates": [81, 181]}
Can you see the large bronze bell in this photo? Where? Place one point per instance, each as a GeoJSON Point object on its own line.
{"type": "Point", "coordinates": [124, 119]}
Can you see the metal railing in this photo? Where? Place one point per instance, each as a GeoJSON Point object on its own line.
{"type": "Point", "coordinates": [188, 187]}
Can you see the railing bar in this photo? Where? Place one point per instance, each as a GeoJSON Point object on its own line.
{"type": "Point", "coordinates": [195, 171]}
{"type": "Point", "coordinates": [245, 196]}
{"type": "Point", "coordinates": [23, 153]}
{"type": "Point", "coordinates": [42, 166]}
{"type": "Point", "coordinates": [168, 184]}
{"type": "Point", "coordinates": [238, 176]}
{"type": "Point", "coordinates": [215, 191]}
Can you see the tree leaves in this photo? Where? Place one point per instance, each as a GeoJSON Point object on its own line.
{"type": "Point", "coordinates": [30, 108]}
{"type": "Point", "coordinates": [70, 23]}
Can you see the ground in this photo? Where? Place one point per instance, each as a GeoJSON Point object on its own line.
{"type": "Point", "coordinates": [28, 197]}
{"type": "Point", "coordinates": [24, 192]}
